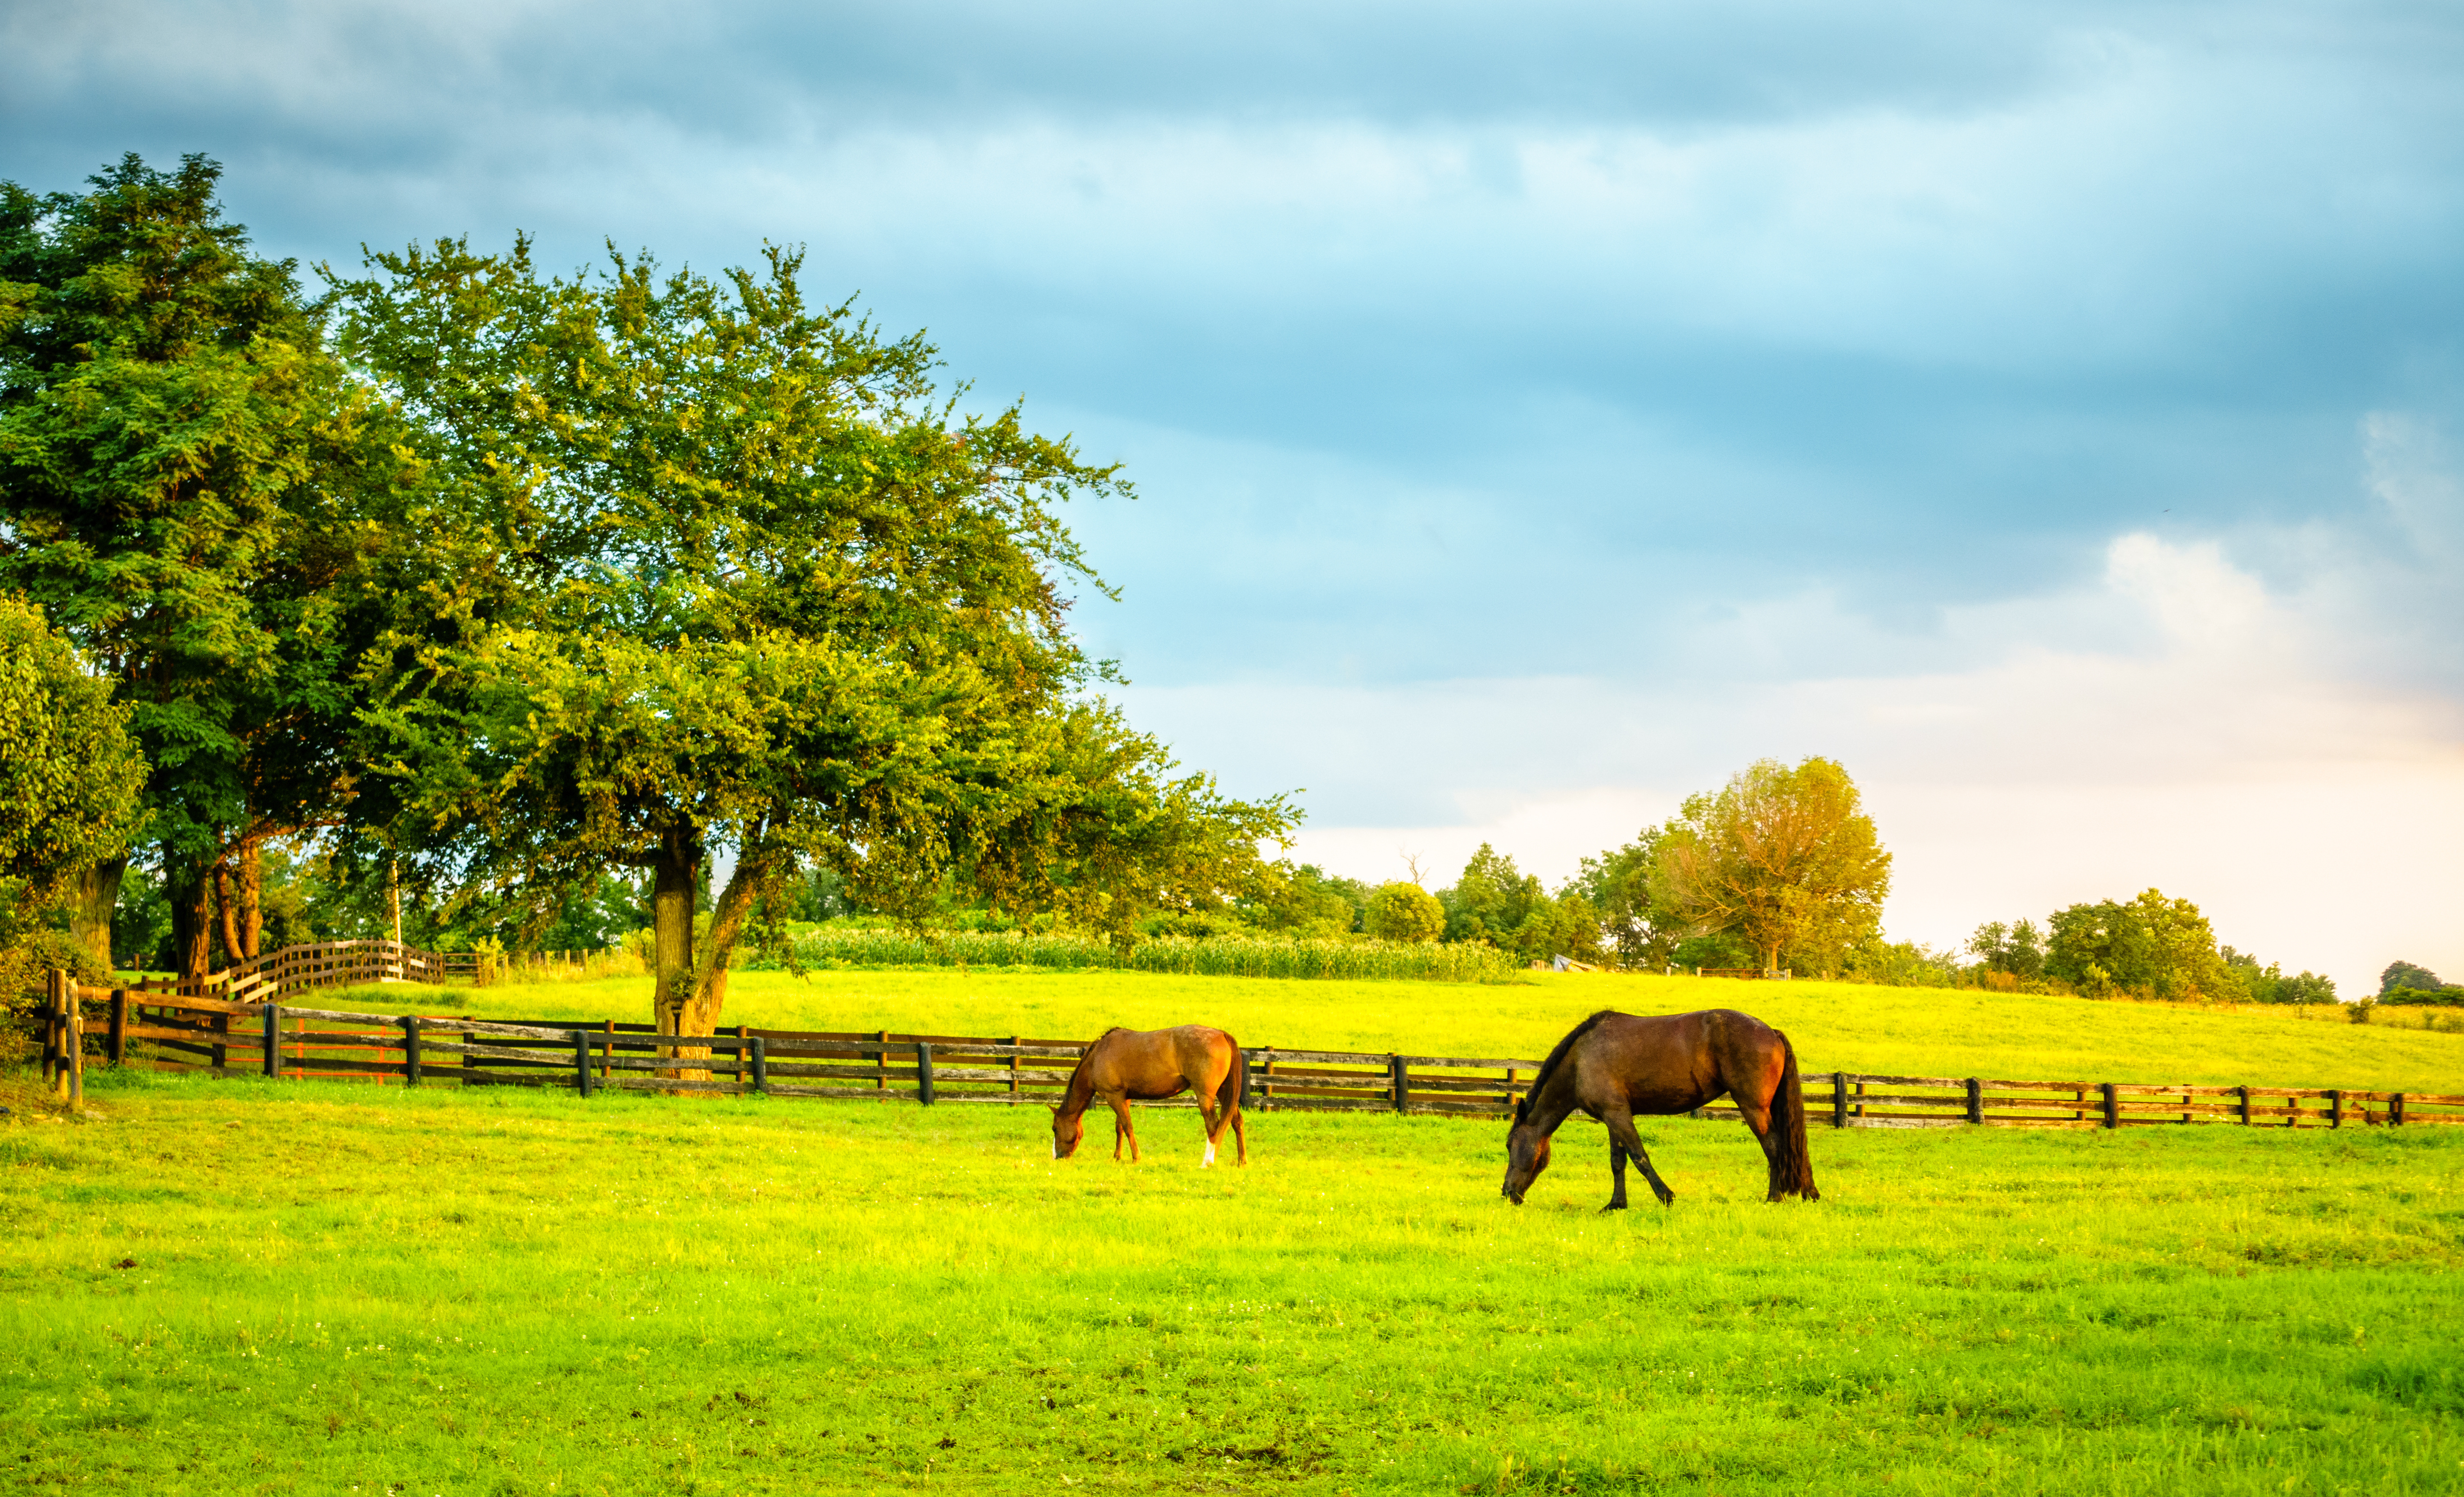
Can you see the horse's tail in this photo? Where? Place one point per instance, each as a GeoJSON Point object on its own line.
{"type": "Point", "coordinates": [1227, 1092]}
{"type": "Point", "coordinates": [1227, 1102]}
{"type": "Point", "coordinates": [1791, 1170]}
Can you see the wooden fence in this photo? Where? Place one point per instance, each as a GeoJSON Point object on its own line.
{"type": "Point", "coordinates": [224, 1037]}
{"type": "Point", "coordinates": [316, 964]}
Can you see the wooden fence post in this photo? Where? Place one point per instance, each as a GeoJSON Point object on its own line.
{"type": "Point", "coordinates": [2112, 1107]}
{"type": "Point", "coordinates": [924, 1073]}
{"type": "Point", "coordinates": [273, 1042]}
{"type": "Point", "coordinates": [52, 980]}
{"type": "Point", "coordinates": [2244, 1092]}
{"type": "Point", "coordinates": [1976, 1101]}
{"type": "Point", "coordinates": [1839, 1099]}
{"type": "Point", "coordinates": [1014, 1073]}
{"type": "Point", "coordinates": [222, 1052]}
{"type": "Point", "coordinates": [581, 1063]}
{"type": "Point", "coordinates": [1248, 1081]}
{"type": "Point", "coordinates": [2395, 1110]}
{"type": "Point", "coordinates": [76, 1024]}
{"type": "Point", "coordinates": [118, 1026]}
{"type": "Point", "coordinates": [607, 1049]}
{"type": "Point", "coordinates": [410, 1050]}
{"type": "Point", "coordinates": [1402, 1081]}
{"type": "Point", "coordinates": [881, 1064]}
{"type": "Point", "coordinates": [2335, 1107]}
{"type": "Point", "coordinates": [760, 1064]}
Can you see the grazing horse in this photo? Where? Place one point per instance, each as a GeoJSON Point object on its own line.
{"type": "Point", "coordinates": [1615, 1065]}
{"type": "Point", "coordinates": [1148, 1066]}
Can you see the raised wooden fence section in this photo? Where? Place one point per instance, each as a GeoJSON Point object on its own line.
{"type": "Point", "coordinates": [223, 1037]}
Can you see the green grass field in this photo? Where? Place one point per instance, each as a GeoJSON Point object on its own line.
{"type": "Point", "coordinates": [349, 1290]}
{"type": "Point", "coordinates": [1834, 1025]}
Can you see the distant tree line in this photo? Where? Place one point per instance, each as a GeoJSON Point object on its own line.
{"type": "Point", "coordinates": [2153, 946]}
{"type": "Point", "coordinates": [2403, 983]}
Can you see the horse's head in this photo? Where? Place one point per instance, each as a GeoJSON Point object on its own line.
{"type": "Point", "coordinates": [1067, 1130]}
{"type": "Point", "coordinates": [1527, 1154]}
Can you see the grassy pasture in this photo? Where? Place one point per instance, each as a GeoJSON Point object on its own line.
{"type": "Point", "coordinates": [352, 1290]}
{"type": "Point", "coordinates": [343, 1289]}
{"type": "Point", "coordinates": [1834, 1025]}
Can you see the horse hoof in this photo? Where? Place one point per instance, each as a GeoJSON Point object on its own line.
{"type": "Point", "coordinates": [1614, 1205]}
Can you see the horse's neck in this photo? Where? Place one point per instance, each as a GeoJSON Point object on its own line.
{"type": "Point", "coordinates": [1550, 1106]}
{"type": "Point", "coordinates": [1080, 1096]}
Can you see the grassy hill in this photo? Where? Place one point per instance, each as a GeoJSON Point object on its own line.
{"type": "Point", "coordinates": [1835, 1026]}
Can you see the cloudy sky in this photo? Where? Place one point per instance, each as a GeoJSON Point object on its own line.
{"type": "Point", "coordinates": [1539, 413]}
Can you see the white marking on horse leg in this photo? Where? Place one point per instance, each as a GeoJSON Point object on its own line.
{"type": "Point", "coordinates": [1210, 1157]}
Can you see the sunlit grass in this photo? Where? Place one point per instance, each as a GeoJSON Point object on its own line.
{"type": "Point", "coordinates": [1835, 1026]}
{"type": "Point", "coordinates": [338, 1288]}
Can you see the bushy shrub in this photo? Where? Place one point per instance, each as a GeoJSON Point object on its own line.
{"type": "Point", "coordinates": [1400, 911]}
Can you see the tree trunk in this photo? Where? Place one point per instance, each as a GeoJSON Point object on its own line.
{"type": "Point", "coordinates": [227, 913]}
{"type": "Point", "coordinates": [191, 889]}
{"type": "Point", "coordinates": [675, 874]}
{"type": "Point", "coordinates": [1771, 958]}
{"type": "Point", "coordinates": [251, 888]}
{"type": "Point", "coordinates": [97, 897]}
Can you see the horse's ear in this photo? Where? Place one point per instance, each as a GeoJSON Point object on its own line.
{"type": "Point", "coordinates": [1522, 1106]}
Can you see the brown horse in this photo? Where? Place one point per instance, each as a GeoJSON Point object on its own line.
{"type": "Point", "coordinates": [1147, 1065]}
{"type": "Point", "coordinates": [1615, 1065]}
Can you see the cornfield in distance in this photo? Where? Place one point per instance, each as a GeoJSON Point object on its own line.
{"type": "Point", "coordinates": [1217, 956]}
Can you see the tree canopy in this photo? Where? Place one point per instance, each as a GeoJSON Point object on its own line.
{"type": "Point", "coordinates": [1783, 858]}
{"type": "Point", "coordinates": [71, 779]}
{"type": "Point", "coordinates": [748, 583]}
{"type": "Point", "coordinates": [179, 462]}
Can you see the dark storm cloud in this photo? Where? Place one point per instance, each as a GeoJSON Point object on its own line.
{"type": "Point", "coordinates": [1430, 329]}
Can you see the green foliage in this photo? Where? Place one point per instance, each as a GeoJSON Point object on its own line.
{"type": "Point", "coordinates": [2154, 946]}
{"type": "Point", "coordinates": [1304, 899]}
{"type": "Point", "coordinates": [2269, 984]}
{"type": "Point", "coordinates": [747, 581]}
{"type": "Point", "coordinates": [2405, 975]}
{"type": "Point", "coordinates": [1496, 902]}
{"type": "Point", "coordinates": [1403, 912]}
{"type": "Point", "coordinates": [2445, 996]}
{"type": "Point", "coordinates": [69, 777]}
{"type": "Point", "coordinates": [1645, 934]}
{"type": "Point", "coordinates": [1785, 858]}
{"type": "Point", "coordinates": [2017, 949]}
{"type": "Point", "coordinates": [1899, 965]}
{"type": "Point", "coordinates": [188, 483]}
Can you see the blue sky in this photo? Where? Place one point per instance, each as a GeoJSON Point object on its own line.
{"type": "Point", "coordinates": [1539, 413]}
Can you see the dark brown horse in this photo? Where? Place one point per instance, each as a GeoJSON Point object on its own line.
{"type": "Point", "coordinates": [1616, 1065]}
{"type": "Point", "coordinates": [1128, 1066]}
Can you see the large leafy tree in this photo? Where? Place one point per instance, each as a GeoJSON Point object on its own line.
{"type": "Point", "coordinates": [1783, 858]}
{"type": "Point", "coordinates": [1644, 932]}
{"type": "Point", "coordinates": [70, 775]}
{"type": "Point", "coordinates": [734, 578]}
{"type": "Point", "coordinates": [177, 457]}
{"type": "Point", "coordinates": [2153, 944]}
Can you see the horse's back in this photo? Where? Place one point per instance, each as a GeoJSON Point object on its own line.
{"type": "Point", "coordinates": [1672, 1063]}
{"type": "Point", "coordinates": [1153, 1064]}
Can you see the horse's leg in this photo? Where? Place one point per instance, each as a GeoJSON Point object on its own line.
{"type": "Point", "coordinates": [1621, 1133]}
{"type": "Point", "coordinates": [1121, 1128]}
{"type": "Point", "coordinates": [1758, 1117]}
{"type": "Point", "coordinates": [1238, 1137]}
{"type": "Point", "coordinates": [1209, 1118]}
{"type": "Point", "coordinates": [1617, 1171]}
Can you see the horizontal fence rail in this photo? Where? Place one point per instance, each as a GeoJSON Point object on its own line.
{"type": "Point", "coordinates": [220, 1036]}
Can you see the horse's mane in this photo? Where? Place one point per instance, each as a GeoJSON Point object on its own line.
{"type": "Point", "coordinates": [1087, 1054]}
{"type": "Point", "coordinates": [1540, 1077]}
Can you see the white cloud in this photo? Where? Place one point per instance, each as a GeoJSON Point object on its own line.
{"type": "Point", "coordinates": [2217, 756]}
